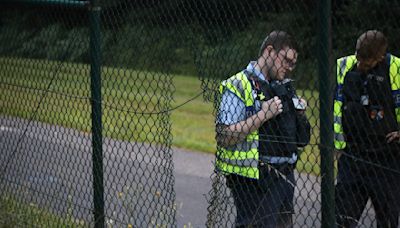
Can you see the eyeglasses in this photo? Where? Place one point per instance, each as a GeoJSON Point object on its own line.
{"type": "Point", "coordinates": [287, 61]}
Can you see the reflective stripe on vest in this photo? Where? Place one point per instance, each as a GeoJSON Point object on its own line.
{"type": "Point", "coordinates": [242, 158]}
{"type": "Point", "coordinates": [343, 66]}
{"type": "Point", "coordinates": [395, 84]}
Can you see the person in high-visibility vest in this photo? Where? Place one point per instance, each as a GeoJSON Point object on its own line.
{"type": "Point", "coordinates": [259, 173]}
{"type": "Point", "coordinates": [367, 137]}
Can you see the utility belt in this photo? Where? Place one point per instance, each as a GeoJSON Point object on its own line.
{"type": "Point", "coordinates": [283, 168]}
{"type": "Point", "coordinates": [269, 172]}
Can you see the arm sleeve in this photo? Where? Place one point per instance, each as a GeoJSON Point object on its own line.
{"type": "Point", "coordinates": [231, 110]}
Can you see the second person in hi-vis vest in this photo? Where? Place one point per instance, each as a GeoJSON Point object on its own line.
{"type": "Point", "coordinates": [260, 125]}
{"type": "Point", "coordinates": [366, 126]}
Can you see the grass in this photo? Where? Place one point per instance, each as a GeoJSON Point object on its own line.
{"type": "Point", "coordinates": [309, 161]}
{"type": "Point", "coordinates": [128, 98]}
{"type": "Point", "coordinates": [125, 94]}
{"type": "Point", "coordinates": [16, 214]}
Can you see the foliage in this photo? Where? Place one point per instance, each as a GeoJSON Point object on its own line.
{"type": "Point", "coordinates": [352, 18]}
{"type": "Point", "coordinates": [210, 39]}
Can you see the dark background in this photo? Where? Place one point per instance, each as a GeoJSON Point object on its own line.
{"type": "Point", "coordinates": [207, 38]}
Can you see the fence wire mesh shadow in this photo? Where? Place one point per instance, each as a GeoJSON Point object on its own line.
{"type": "Point", "coordinates": [77, 151]}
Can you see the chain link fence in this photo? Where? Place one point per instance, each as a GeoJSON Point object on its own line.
{"type": "Point", "coordinates": [96, 96]}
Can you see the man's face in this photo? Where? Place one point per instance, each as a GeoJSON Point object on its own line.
{"type": "Point", "coordinates": [283, 62]}
{"type": "Point", "coordinates": [367, 64]}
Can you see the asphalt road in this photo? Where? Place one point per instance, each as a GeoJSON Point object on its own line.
{"type": "Point", "coordinates": [51, 168]}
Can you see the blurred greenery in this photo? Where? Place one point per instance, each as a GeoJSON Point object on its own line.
{"type": "Point", "coordinates": [210, 39]}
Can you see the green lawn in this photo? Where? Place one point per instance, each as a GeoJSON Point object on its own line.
{"type": "Point", "coordinates": [129, 98]}
{"type": "Point", "coordinates": [17, 214]}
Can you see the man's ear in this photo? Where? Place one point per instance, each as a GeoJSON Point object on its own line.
{"type": "Point", "coordinates": [268, 49]}
{"type": "Point", "coordinates": [267, 52]}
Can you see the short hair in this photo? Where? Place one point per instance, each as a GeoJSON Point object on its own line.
{"type": "Point", "coordinates": [278, 40]}
{"type": "Point", "coordinates": [369, 43]}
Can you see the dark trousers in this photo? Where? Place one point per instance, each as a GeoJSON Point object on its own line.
{"type": "Point", "coordinates": [359, 181]}
{"type": "Point", "coordinates": [267, 202]}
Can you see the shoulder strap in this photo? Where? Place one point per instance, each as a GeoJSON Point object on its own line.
{"type": "Point", "coordinates": [388, 56]}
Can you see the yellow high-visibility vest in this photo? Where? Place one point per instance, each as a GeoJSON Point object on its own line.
{"type": "Point", "coordinates": [242, 158]}
{"type": "Point", "coordinates": [343, 66]}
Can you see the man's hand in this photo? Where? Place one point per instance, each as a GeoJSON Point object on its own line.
{"type": "Point", "coordinates": [272, 107]}
{"type": "Point", "coordinates": [304, 104]}
{"type": "Point", "coordinates": [393, 137]}
{"type": "Point", "coordinates": [234, 133]}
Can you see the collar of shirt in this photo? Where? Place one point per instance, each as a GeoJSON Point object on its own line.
{"type": "Point", "coordinates": [252, 69]}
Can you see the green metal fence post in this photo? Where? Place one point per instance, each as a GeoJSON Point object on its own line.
{"type": "Point", "coordinates": [324, 67]}
{"type": "Point", "coordinates": [95, 85]}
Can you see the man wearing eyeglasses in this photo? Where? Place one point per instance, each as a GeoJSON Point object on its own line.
{"type": "Point", "coordinates": [258, 127]}
{"type": "Point", "coordinates": [366, 125]}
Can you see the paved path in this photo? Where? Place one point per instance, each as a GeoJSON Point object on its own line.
{"type": "Point", "coordinates": [52, 169]}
